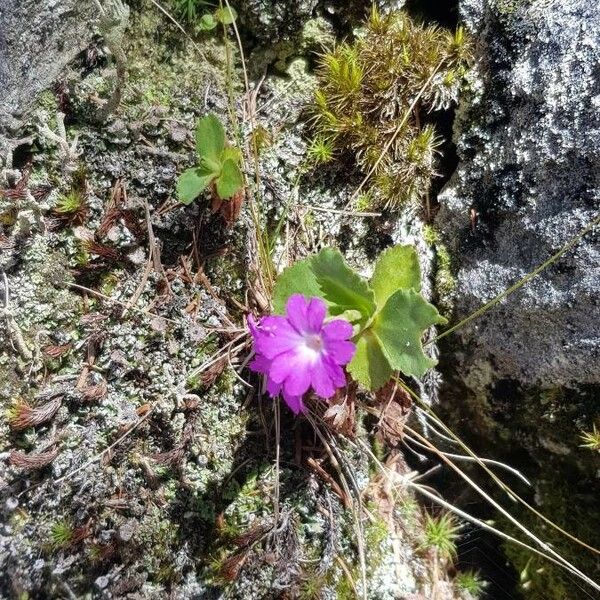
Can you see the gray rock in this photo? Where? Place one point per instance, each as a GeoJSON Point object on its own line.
{"type": "Point", "coordinates": [529, 147]}
{"type": "Point", "coordinates": [271, 20]}
{"type": "Point", "coordinates": [33, 57]}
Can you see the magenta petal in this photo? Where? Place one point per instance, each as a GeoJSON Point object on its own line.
{"type": "Point", "coordinates": [282, 366]}
{"type": "Point", "coordinates": [273, 388]}
{"type": "Point", "coordinates": [338, 329]}
{"type": "Point", "coordinates": [341, 351]}
{"type": "Point", "coordinates": [295, 403]}
{"type": "Point", "coordinates": [315, 315]}
{"type": "Point", "coordinates": [298, 380]}
{"type": "Point", "coordinates": [321, 380]}
{"type": "Point", "coordinates": [283, 338]}
{"type": "Point", "coordinates": [260, 364]}
{"type": "Point", "coordinates": [338, 377]}
{"type": "Point", "coordinates": [296, 312]}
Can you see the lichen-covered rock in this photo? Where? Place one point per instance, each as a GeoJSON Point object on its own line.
{"type": "Point", "coordinates": [33, 56]}
{"type": "Point", "coordinates": [134, 461]}
{"type": "Point", "coordinates": [524, 376]}
{"type": "Point", "coordinates": [269, 21]}
{"type": "Point", "coordinates": [528, 181]}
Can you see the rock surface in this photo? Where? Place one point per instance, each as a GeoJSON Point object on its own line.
{"type": "Point", "coordinates": [57, 29]}
{"type": "Point", "coordinates": [147, 470]}
{"type": "Point", "coordinates": [528, 181]}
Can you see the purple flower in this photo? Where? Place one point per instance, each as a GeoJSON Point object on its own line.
{"type": "Point", "coordinates": [298, 351]}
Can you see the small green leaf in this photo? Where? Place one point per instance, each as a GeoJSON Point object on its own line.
{"type": "Point", "coordinates": [211, 166]}
{"type": "Point", "coordinates": [230, 181]}
{"type": "Point", "coordinates": [341, 286]}
{"type": "Point", "coordinates": [207, 22]}
{"type": "Point", "coordinates": [191, 183]}
{"type": "Point", "coordinates": [399, 327]}
{"type": "Point", "coordinates": [369, 366]}
{"type": "Point", "coordinates": [210, 138]}
{"type": "Point", "coordinates": [397, 268]}
{"type": "Point", "coordinates": [226, 15]}
{"type": "Point", "coordinates": [230, 152]}
{"type": "Point", "coordinates": [297, 279]}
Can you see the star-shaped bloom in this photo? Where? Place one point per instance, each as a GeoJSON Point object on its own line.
{"type": "Point", "coordinates": [300, 351]}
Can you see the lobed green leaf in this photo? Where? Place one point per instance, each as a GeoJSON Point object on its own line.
{"type": "Point", "coordinates": [397, 268]}
{"type": "Point", "coordinates": [399, 327]}
{"type": "Point", "coordinates": [297, 279]}
{"type": "Point", "coordinates": [369, 366]}
{"type": "Point", "coordinates": [341, 286]}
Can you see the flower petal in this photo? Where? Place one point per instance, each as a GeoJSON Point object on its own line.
{"type": "Point", "coordinates": [295, 403]}
{"type": "Point", "coordinates": [296, 312]}
{"type": "Point", "coordinates": [293, 371]}
{"type": "Point", "coordinates": [321, 380]}
{"type": "Point", "coordinates": [281, 366]}
{"type": "Point", "coordinates": [315, 315]}
{"type": "Point", "coordinates": [260, 364]}
{"type": "Point", "coordinates": [338, 329]}
{"type": "Point", "coordinates": [281, 337]}
{"type": "Point", "coordinates": [273, 388]}
{"type": "Point", "coordinates": [338, 377]}
{"type": "Point", "coordinates": [340, 351]}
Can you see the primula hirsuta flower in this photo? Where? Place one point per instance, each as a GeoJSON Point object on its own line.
{"type": "Point", "coordinates": [300, 351]}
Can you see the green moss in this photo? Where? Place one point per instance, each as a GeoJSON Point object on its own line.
{"type": "Point", "coordinates": [441, 534]}
{"type": "Point", "coordinates": [312, 587]}
{"type": "Point", "coordinates": [70, 203]}
{"type": "Point", "coordinates": [109, 283]}
{"type": "Point", "coordinates": [61, 534]}
{"type": "Point", "coordinates": [364, 89]}
{"type": "Point", "coordinates": [508, 8]}
{"type": "Point", "coordinates": [47, 101]}
{"type": "Point", "coordinates": [470, 583]}
{"type": "Point", "coordinates": [444, 280]}
{"type": "Point", "coordinates": [165, 71]}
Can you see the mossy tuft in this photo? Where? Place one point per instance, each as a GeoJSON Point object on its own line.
{"type": "Point", "coordinates": [470, 583]}
{"type": "Point", "coordinates": [441, 534]}
{"type": "Point", "coordinates": [375, 93]}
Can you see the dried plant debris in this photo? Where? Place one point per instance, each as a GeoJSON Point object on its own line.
{"type": "Point", "coordinates": [32, 461]}
{"type": "Point", "coordinates": [23, 416]}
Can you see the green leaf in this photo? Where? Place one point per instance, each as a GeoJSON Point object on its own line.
{"type": "Point", "coordinates": [226, 15]}
{"type": "Point", "coordinates": [297, 279]}
{"type": "Point", "coordinates": [211, 166]}
{"type": "Point", "coordinates": [207, 22]}
{"type": "Point", "coordinates": [399, 327]}
{"type": "Point", "coordinates": [230, 180]}
{"type": "Point", "coordinates": [210, 138]}
{"type": "Point", "coordinates": [397, 268]}
{"type": "Point", "coordinates": [230, 152]}
{"type": "Point", "coordinates": [191, 183]}
{"type": "Point", "coordinates": [369, 366]}
{"type": "Point", "coordinates": [341, 286]}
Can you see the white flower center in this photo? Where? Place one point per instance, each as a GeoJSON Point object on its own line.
{"type": "Point", "coordinates": [314, 343]}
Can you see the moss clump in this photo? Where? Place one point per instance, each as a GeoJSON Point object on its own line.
{"type": "Point", "coordinates": [374, 95]}
{"type": "Point", "coordinates": [441, 534]}
{"type": "Point", "coordinates": [469, 582]}
{"type": "Point", "coordinates": [444, 279]}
